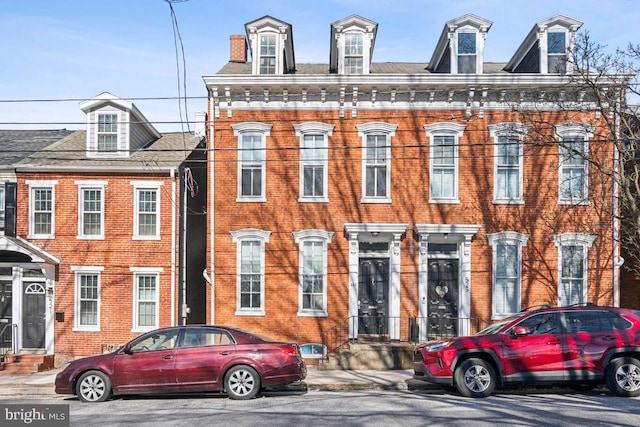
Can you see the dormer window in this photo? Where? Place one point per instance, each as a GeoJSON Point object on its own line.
{"type": "Point", "coordinates": [107, 133]}
{"type": "Point", "coordinates": [556, 53]}
{"type": "Point", "coordinates": [271, 44]}
{"type": "Point", "coordinates": [115, 127]}
{"type": "Point", "coordinates": [268, 54]}
{"type": "Point", "coordinates": [545, 49]}
{"type": "Point", "coordinates": [353, 53]}
{"type": "Point", "coordinates": [352, 41]}
{"type": "Point", "coordinates": [466, 53]}
{"type": "Point", "coordinates": [461, 46]}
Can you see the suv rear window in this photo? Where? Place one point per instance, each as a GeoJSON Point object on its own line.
{"type": "Point", "coordinates": [594, 321]}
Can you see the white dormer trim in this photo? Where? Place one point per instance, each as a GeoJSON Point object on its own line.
{"type": "Point", "coordinates": [284, 54]}
{"type": "Point", "coordinates": [538, 35]}
{"type": "Point", "coordinates": [126, 113]}
{"type": "Point", "coordinates": [353, 24]}
{"type": "Point", "coordinates": [449, 42]}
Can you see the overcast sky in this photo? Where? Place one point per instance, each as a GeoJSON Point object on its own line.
{"type": "Point", "coordinates": [58, 52]}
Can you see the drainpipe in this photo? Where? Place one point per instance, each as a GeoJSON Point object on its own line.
{"type": "Point", "coordinates": [618, 260]}
{"type": "Point", "coordinates": [173, 245]}
{"type": "Point", "coordinates": [212, 208]}
{"type": "Point", "coordinates": [183, 232]}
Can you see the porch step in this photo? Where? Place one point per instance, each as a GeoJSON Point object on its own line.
{"type": "Point", "coordinates": [375, 356]}
{"type": "Point", "coordinates": [26, 363]}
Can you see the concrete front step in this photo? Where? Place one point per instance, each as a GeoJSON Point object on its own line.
{"type": "Point", "coordinates": [375, 356]}
{"type": "Point", "coordinates": [26, 363]}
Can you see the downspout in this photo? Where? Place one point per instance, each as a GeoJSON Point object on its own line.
{"type": "Point", "coordinates": [173, 245]}
{"type": "Point", "coordinates": [212, 209]}
{"type": "Point", "coordinates": [183, 265]}
{"type": "Point", "coordinates": [618, 260]}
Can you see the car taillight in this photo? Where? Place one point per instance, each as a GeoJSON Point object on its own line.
{"type": "Point", "coordinates": [291, 350]}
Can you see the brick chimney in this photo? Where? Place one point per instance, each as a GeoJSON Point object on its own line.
{"type": "Point", "coordinates": [238, 49]}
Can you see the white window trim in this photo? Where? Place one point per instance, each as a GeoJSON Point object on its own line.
{"type": "Point", "coordinates": [444, 128]}
{"type": "Point", "coordinates": [35, 184]}
{"type": "Point", "coordinates": [508, 129]}
{"type": "Point", "coordinates": [79, 271]}
{"type": "Point", "coordinates": [574, 239]}
{"type": "Point", "coordinates": [90, 185]}
{"type": "Point", "coordinates": [511, 238]}
{"type": "Point", "coordinates": [252, 128]}
{"type": "Point", "coordinates": [145, 271]}
{"type": "Point", "coordinates": [238, 237]}
{"type": "Point", "coordinates": [300, 237]}
{"type": "Point", "coordinates": [314, 128]}
{"type": "Point", "coordinates": [145, 185]}
{"type": "Point", "coordinates": [122, 118]}
{"type": "Point", "coordinates": [568, 130]}
{"type": "Point", "coordinates": [376, 128]}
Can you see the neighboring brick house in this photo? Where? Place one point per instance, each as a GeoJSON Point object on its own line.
{"type": "Point", "coordinates": [93, 249]}
{"type": "Point", "coordinates": [403, 200]}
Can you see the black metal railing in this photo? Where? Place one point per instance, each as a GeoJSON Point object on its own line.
{"type": "Point", "coordinates": [405, 329]}
{"type": "Point", "coordinates": [8, 333]}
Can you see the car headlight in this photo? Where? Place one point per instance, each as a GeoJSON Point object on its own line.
{"type": "Point", "coordinates": [437, 346]}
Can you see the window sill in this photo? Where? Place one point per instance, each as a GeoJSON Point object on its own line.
{"type": "Point", "coordinates": [250, 313]}
{"type": "Point", "coordinates": [145, 238]}
{"type": "Point", "coordinates": [313, 200]}
{"type": "Point", "coordinates": [41, 236]}
{"type": "Point", "coordinates": [380, 201]}
{"type": "Point", "coordinates": [508, 202]}
{"type": "Point", "coordinates": [140, 330]}
{"type": "Point", "coordinates": [86, 329]}
{"type": "Point", "coordinates": [251, 200]}
{"type": "Point", "coordinates": [312, 314]}
{"type": "Point", "coordinates": [90, 237]}
{"type": "Point", "coordinates": [445, 201]}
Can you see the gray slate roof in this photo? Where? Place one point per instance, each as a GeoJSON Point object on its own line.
{"type": "Point", "coordinates": [16, 145]}
{"type": "Point", "coordinates": [70, 152]}
{"type": "Point", "coordinates": [239, 68]}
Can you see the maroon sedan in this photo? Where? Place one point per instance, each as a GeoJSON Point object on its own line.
{"type": "Point", "coordinates": [194, 358]}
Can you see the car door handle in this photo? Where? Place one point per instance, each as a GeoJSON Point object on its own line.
{"type": "Point", "coordinates": [167, 356]}
{"type": "Point", "coordinates": [553, 342]}
{"type": "Point", "coordinates": [225, 353]}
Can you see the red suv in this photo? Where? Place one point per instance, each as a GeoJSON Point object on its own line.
{"type": "Point", "coordinates": [576, 346]}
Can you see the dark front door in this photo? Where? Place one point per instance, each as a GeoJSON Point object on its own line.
{"type": "Point", "coordinates": [373, 296]}
{"type": "Point", "coordinates": [33, 321]}
{"type": "Point", "coordinates": [443, 297]}
{"type": "Point", "coordinates": [5, 314]}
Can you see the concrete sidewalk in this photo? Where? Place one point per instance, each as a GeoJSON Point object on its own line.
{"type": "Point", "coordinates": [41, 383]}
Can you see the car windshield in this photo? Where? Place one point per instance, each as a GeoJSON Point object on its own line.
{"type": "Point", "coordinates": [492, 329]}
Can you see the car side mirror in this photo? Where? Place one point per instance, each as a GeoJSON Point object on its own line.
{"type": "Point", "coordinates": [520, 331]}
{"type": "Point", "coordinates": [127, 349]}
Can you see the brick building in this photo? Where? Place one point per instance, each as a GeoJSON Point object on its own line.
{"type": "Point", "coordinates": [403, 200]}
{"type": "Point", "coordinates": [94, 224]}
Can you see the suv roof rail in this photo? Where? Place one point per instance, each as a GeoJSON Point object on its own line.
{"type": "Point", "coordinates": [583, 304]}
{"type": "Point", "coordinates": [535, 307]}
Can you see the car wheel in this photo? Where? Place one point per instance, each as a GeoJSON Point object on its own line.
{"type": "Point", "coordinates": [93, 386]}
{"type": "Point", "coordinates": [242, 382]}
{"type": "Point", "coordinates": [475, 378]}
{"type": "Point", "coordinates": [623, 377]}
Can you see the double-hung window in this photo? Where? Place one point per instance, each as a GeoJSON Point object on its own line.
{"type": "Point", "coordinates": [443, 167]}
{"type": "Point", "coordinates": [573, 170]}
{"type": "Point", "coordinates": [556, 52]}
{"type": "Point", "coordinates": [572, 263]}
{"type": "Point", "coordinates": [250, 266]}
{"type": "Point", "coordinates": [313, 160]}
{"type": "Point", "coordinates": [146, 219]}
{"type": "Point", "coordinates": [508, 164]}
{"type": "Point", "coordinates": [41, 209]}
{"type": "Point", "coordinates": [376, 163]}
{"type": "Point", "coordinates": [251, 160]}
{"type": "Point", "coordinates": [87, 306]}
{"type": "Point", "coordinates": [574, 165]}
{"type": "Point", "coordinates": [268, 53]}
{"type": "Point", "coordinates": [353, 53]}
{"type": "Point", "coordinates": [91, 209]}
{"type": "Point", "coordinates": [313, 271]}
{"type": "Point", "coordinates": [107, 135]}
{"type": "Point", "coordinates": [507, 272]}
{"type": "Point", "coordinates": [467, 52]}
{"type": "Point", "coordinates": [146, 298]}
